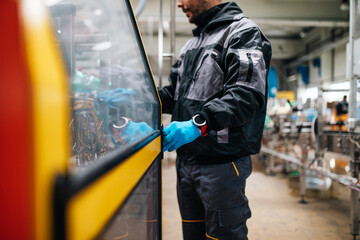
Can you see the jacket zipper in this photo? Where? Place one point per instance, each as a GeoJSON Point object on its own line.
{"type": "Point", "coordinates": [201, 38]}
{"type": "Point", "coordinates": [251, 67]}
{"type": "Point", "coordinates": [202, 60]}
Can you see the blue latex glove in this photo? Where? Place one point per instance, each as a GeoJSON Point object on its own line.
{"type": "Point", "coordinates": [177, 134]}
{"type": "Point", "coordinates": [134, 132]}
{"type": "Point", "coordinates": [118, 95]}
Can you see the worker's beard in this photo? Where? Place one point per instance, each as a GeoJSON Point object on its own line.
{"type": "Point", "coordinates": [201, 8]}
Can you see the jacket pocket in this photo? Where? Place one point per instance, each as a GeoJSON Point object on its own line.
{"type": "Point", "coordinates": [252, 72]}
{"type": "Point", "coordinates": [223, 136]}
{"type": "Point", "coordinates": [208, 77]}
{"type": "Point", "coordinates": [234, 216]}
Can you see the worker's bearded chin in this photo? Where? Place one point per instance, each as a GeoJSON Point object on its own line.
{"type": "Point", "coordinates": [201, 8]}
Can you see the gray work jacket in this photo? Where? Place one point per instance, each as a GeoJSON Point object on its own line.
{"type": "Point", "coordinates": [222, 75]}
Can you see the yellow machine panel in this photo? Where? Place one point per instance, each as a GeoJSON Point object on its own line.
{"type": "Point", "coordinates": [84, 134]}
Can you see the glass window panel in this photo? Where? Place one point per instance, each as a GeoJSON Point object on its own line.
{"type": "Point", "coordinates": [114, 100]}
{"type": "Point", "coordinates": [139, 216]}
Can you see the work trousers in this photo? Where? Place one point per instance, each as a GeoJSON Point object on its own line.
{"type": "Point", "coordinates": [212, 199]}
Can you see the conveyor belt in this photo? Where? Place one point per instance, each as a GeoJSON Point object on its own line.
{"type": "Point", "coordinates": [344, 180]}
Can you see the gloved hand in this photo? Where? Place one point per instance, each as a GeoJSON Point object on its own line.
{"type": "Point", "coordinates": [134, 131]}
{"type": "Point", "coordinates": [118, 95]}
{"type": "Point", "coordinates": [177, 134]}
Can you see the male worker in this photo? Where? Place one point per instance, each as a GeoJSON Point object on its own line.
{"type": "Point", "coordinates": [342, 107]}
{"type": "Point", "coordinates": [217, 98]}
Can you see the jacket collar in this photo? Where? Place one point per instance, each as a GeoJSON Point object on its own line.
{"type": "Point", "coordinates": [216, 16]}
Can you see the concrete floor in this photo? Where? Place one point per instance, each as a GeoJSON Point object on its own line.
{"type": "Point", "coordinates": [276, 213]}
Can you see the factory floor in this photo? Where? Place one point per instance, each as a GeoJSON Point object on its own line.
{"type": "Point", "coordinates": [276, 213]}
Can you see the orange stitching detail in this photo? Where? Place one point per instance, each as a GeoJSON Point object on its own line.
{"type": "Point", "coordinates": [155, 220]}
{"type": "Point", "coordinates": [211, 237]}
{"type": "Point", "coordinates": [193, 220]}
{"type": "Point", "coordinates": [237, 172]}
{"type": "Point", "coordinates": [122, 236]}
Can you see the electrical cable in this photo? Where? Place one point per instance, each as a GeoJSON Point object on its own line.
{"type": "Point", "coordinates": [106, 125]}
{"type": "Point", "coordinates": [140, 8]}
